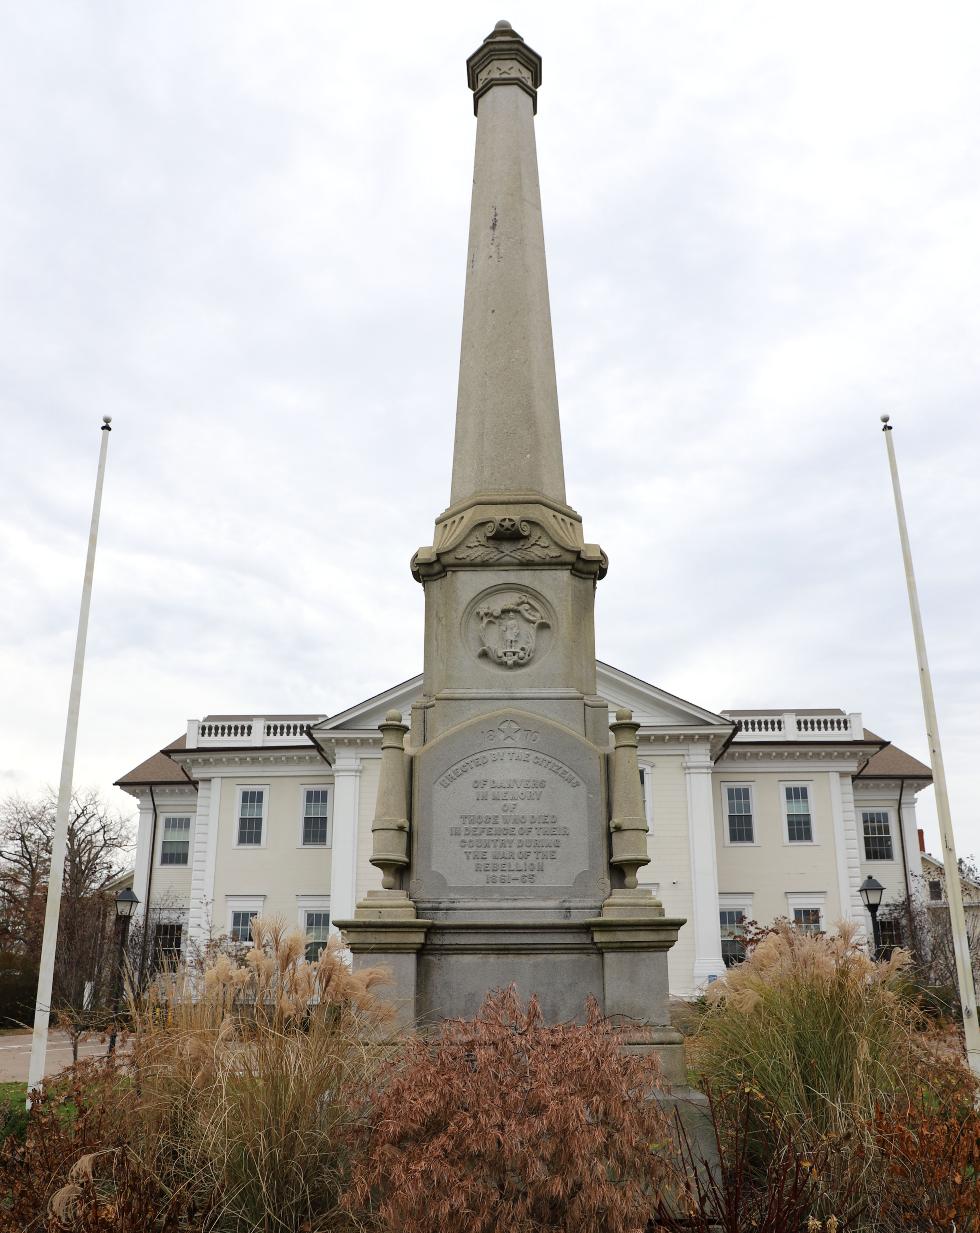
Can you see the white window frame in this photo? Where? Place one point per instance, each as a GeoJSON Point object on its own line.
{"type": "Point", "coordinates": [242, 903]}
{"type": "Point", "coordinates": [175, 813]}
{"type": "Point", "coordinates": [813, 841]}
{"type": "Point", "coordinates": [303, 789]}
{"type": "Point", "coordinates": [735, 903]}
{"type": "Point", "coordinates": [726, 837]}
{"type": "Point", "coordinates": [877, 860]}
{"type": "Point", "coordinates": [311, 903]}
{"type": "Point", "coordinates": [808, 899]}
{"type": "Point", "coordinates": [251, 787]}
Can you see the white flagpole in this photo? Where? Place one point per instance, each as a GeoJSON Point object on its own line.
{"type": "Point", "coordinates": [59, 842]}
{"type": "Point", "coordinates": [954, 895]}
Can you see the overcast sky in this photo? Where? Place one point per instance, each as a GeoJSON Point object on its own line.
{"type": "Point", "coordinates": [240, 229]}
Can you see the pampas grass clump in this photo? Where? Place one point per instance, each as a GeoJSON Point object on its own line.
{"type": "Point", "coordinates": [813, 1027]}
{"type": "Point", "coordinates": [248, 1076]}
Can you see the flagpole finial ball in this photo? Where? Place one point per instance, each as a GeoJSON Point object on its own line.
{"type": "Point", "coordinates": [885, 419]}
{"type": "Point", "coordinates": [107, 419]}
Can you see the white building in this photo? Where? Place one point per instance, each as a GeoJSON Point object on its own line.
{"type": "Point", "coordinates": [752, 815]}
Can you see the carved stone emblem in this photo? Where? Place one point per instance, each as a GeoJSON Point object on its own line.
{"type": "Point", "coordinates": [509, 629]}
{"type": "Point", "coordinates": [508, 539]}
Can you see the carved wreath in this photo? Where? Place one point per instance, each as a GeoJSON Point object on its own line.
{"type": "Point", "coordinates": [508, 539]}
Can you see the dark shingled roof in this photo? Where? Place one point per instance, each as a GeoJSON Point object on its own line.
{"type": "Point", "coordinates": [156, 769]}
{"type": "Point", "coordinates": [893, 763]}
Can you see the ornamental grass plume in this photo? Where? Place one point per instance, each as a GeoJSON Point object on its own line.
{"type": "Point", "coordinates": [812, 1026]}
{"type": "Point", "coordinates": [506, 1123]}
{"type": "Point", "coordinates": [247, 1077]}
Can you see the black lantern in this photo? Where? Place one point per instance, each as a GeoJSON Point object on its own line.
{"type": "Point", "coordinates": [871, 893]}
{"type": "Point", "coordinates": [126, 903]}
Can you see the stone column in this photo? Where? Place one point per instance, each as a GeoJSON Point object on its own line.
{"type": "Point", "coordinates": [708, 963]}
{"type": "Point", "coordinates": [343, 856]}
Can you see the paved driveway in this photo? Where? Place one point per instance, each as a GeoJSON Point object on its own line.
{"type": "Point", "coordinates": [15, 1054]}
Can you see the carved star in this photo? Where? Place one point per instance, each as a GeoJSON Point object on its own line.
{"type": "Point", "coordinates": [509, 730]}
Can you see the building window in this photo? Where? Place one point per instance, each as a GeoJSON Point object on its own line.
{"type": "Point", "coordinates": [936, 891]}
{"type": "Point", "coordinates": [251, 811]}
{"type": "Point", "coordinates": [732, 935]}
{"type": "Point", "coordinates": [738, 798]}
{"type": "Point", "coordinates": [807, 919]}
{"type": "Point", "coordinates": [799, 820]}
{"type": "Point", "coordinates": [317, 932]}
{"type": "Point", "coordinates": [166, 945]}
{"type": "Point", "coordinates": [315, 817]}
{"type": "Point", "coordinates": [241, 925]}
{"type": "Point", "coordinates": [877, 835]}
{"type": "Point", "coordinates": [176, 845]}
{"type": "Point", "coordinates": [890, 935]}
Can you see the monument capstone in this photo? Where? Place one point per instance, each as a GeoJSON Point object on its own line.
{"type": "Point", "coordinates": [510, 825]}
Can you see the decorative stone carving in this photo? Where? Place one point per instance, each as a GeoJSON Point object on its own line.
{"type": "Point", "coordinates": [508, 540]}
{"type": "Point", "coordinates": [628, 824]}
{"type": "Point", "coordinates": [508, 630]}
{"type": "Point", "coordinates": [504, 59]}
{"type": "Point", "coordinates": [389, 829]}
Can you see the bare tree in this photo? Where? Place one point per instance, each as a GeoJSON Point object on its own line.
{"type": "Point", "coordinates": [99, 842]}
{"type": "Point", "coordinates": [924, 927]}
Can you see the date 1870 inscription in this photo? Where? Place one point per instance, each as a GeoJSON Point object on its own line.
{"type": "Point", "coordinates": [510, 817]}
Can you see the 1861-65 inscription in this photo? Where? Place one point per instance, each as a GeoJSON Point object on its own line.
{"type": "Point", "coordinates": [511, 814]}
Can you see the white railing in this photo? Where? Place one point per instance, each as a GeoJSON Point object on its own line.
{"type": "Point", "coordinates": [790, 726]}
{"type": "Point", "coordinates": [259, 731]}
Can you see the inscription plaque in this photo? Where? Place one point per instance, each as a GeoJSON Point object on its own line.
{"type": "Point", "coordinates": [512, 809]}
{"type": "Point", "coordinates": [510, 817]}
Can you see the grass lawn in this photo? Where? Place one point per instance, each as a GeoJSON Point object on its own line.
{"type": "Point", "coordinates": [12, 1094]}
{"type": "Point", "coordinates": [12, 1111]}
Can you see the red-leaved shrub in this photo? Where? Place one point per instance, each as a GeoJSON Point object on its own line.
{"type": "Point", "coordinates": [506, 1123]}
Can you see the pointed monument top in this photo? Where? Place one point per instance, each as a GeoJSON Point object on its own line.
{"type": "Point", "coordinates": [503, 58]}
{"type": "Point", "coordinates": [508, 438]}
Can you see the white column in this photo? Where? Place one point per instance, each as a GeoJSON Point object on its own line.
{"type": "Point", "coordinates": [203, 859]}
{"type": "Point", "coordinates": [843, 852]}
{"type": "Point", "coordinates": [144, 857]}
{"type": "Point", "coordinates": [858, 912]}
{"type": "Point", "coordinates": [343, 857]}
{"type": "Point", "coordinates": [910, 832]}
{"type": "Point", "coordinates": [708, 963]}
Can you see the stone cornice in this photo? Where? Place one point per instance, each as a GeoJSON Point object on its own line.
{"type": "Point", "coordinates": [196, 760]}
{"type": "Point", "coordinates": [840, 757]}
{"type": "Point", "coordinates": [503, 59]}
{"type": "Point", "coordinates": [509, 530]}
{"type": "Point", "coordinates": [885, 784]}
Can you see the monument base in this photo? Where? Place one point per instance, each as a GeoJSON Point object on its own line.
{"type": "Point", "coordinates": [444, 968]}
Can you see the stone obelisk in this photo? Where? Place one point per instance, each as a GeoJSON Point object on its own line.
{"type": "Point", "coordinates": [510, 826]}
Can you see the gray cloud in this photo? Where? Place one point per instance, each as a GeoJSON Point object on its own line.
{"type": "Point", "coordinates": [240, 230]}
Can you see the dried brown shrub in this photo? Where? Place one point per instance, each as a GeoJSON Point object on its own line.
{"type": "Point", "coordinates": [506, 1123]}
{"type": "Point", "coordinates": [72, 1116]}
{"type": "Point", "coordinates": [929, 1153]}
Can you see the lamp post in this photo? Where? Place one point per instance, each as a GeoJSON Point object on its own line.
{"type": "Point", "coordinates": [126, 904]}
{"type": "Point", "coordinates": [871, 892]}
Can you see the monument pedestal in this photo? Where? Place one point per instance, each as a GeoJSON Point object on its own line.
{"type": "Point", "coordinates": [387, 933]}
